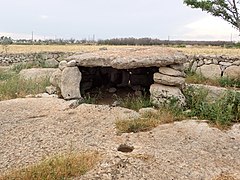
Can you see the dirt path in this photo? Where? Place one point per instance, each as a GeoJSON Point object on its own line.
{"type": "Point", "coordinates": [32, 129]}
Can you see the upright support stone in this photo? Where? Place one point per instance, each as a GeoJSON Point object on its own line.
{"type": "Point", "coordinates": [70, 83]}
{"type": "Point", "coordinates": [163, 94]}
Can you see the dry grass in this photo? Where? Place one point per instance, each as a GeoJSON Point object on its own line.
{"type": "Point", "coordinates": [58, 167]}
{"type": "Point", "coordinates": [145, 123]}
{"type": "Point", "coordinates": [225, 177]}
{"type": "Point", "coordinates": [12, 86]}
{"type": "Point", "coordinates": [51, 48]}
{"type": "Point", "coordinates": [85, 48]}
{"type": "Point", "coordinates": [210, 50]}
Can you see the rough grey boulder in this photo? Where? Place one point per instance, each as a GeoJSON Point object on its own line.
{"type": "Point", "coordinates": [55, 79]}
{"type": "Point", "coordinates": [51, 63]}
{"type": "Point", "coordinates": [168, 80]}
{"type": "Point", "coordinates": [71, 63]}
{"type": "Point", "coordinates": [51, 89]}
{"type": "Point", "coordinates": [179, 67]}
{"type": "Point", "coordinates": [211, 71]}
{"type": "Point", "coordinates": [161, 93]}
{"type": "Point", "coordinates": [232, 72]}
{"type": "Point", "coordinates": [36, 73]}
{"type": "Point", "coordinates": [62, 65]}
{"type": "Point", "coordinates": [213, 93]}
{"type": "Point", "coordinates": [70, 83]}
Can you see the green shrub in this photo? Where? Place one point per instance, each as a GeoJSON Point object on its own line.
{"type": "Point", "coordinates": [228, 82]}
{"type": "Point", "coordinates": [222, 112]}
{"type": "Point", "coordinates": [5, 75]}
{"type": "Point", "coordinates": [89, 99]}
{"type": "Point", "coordinates": [135, 102]}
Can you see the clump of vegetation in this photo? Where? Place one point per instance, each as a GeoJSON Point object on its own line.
{"type": "Point", "coordinates": [228, 82]}
{"type": "Point", "coordinates": [58, 167]}
{"type": "Point", "coordinates": [90, 99]}
{"type": "Point", "coordinates": [196, 78]}
{"type": "Point", "coordinates": [223, 112]}
{"type": "Point", "coordinates": [145, 123]}
{"type": "Point", "coordinates": [27, 65]}
{"type": "Point", "coordinates": [12, 86]}
{"type": "Point", "coordinates": [135, 102]}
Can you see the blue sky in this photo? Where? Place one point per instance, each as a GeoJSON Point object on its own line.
{"type": "Point", "coordinates": [110, 18]}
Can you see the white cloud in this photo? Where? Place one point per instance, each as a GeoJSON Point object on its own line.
{"type": "Point", "coordinates": [209, 28]}
{"type": "Point", "coordinates": [44, 17]}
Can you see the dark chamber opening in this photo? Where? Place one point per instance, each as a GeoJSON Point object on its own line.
{"type": "Point", "coordinates": [118, 82]}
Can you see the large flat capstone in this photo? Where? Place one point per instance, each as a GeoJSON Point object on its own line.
{"type": "Point", "coordinates": [129, 58]}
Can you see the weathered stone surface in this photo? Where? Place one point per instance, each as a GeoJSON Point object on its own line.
{"type": "Point", "coordinates": [51, 89]}
{"type": "Point", "coordinates": [232, 72]}
{"type": "Point", "coordinates": [183, 150]}
{"type": "Point", "coordinates": [51, 63]}
{"type": "Point", "coordinates": [168, 80]}
{"type": "Point", "coordinates": [161, 93]}
{"type": "Point", "coordinates": [70, 83]}
{"type": "Point", "coordinates": [179, 67]}
{"type": "Point", "coordinates": [71, 63]}
{"type": "Point", "coordinates": [55, 79]}
{"type": "Point", "coordinates": [126, 58]}
{"type": "Point", "coordinates": [46, 95]}
{"type": "Point", "coordinates": [36, 73]}
{"type": "Point", "coordinates": [200, 63]}
{"type": "Point", "coordinates": [194, 66]}
{"type": "Point", "coordinates": [237, 63]}
{"type": "Point", "coordinates": [225, 64]}
{"type": "Point", "coordinates": [211, 71]}
{"type": "Point", "coordinates": [62, 65]}
{"type": "Point", "coordinates": [171, 72]}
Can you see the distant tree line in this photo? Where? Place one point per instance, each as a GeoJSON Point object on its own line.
{"type": "Point", "coordinates": [115, 41]}
{"type": "Point", "coordinates": [150, 41]}
{"type": "Point", "coordinates": [5, 40]}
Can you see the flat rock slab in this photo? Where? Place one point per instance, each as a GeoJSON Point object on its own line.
{"type": "Point", "coordinates": [31, 129]}
{"type": "Point", "coordinates": [129, 58]}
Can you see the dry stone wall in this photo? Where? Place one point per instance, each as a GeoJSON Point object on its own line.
{"type": "Point", "coordinates": [215, 66]}
{"type": "Point", "coordinates": [9, 59]}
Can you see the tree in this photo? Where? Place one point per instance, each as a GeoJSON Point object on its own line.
{"type": "Point", "coordinates": [226, 9]}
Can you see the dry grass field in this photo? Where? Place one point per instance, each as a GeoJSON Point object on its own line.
{"type": "Point", "coordinates": [85, 48]}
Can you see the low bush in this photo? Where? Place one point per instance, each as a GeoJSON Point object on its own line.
{"type": "Point", "coordinates": [222, 112]}
{"type": "Point", "coordinates": [58, 167]}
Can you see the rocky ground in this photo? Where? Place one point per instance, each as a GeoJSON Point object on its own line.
{"type": "Point", "coordinates": [32, 129]}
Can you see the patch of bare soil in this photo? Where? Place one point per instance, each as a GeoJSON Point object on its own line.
{"type": "Point", "coordinates": [33, 129]}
